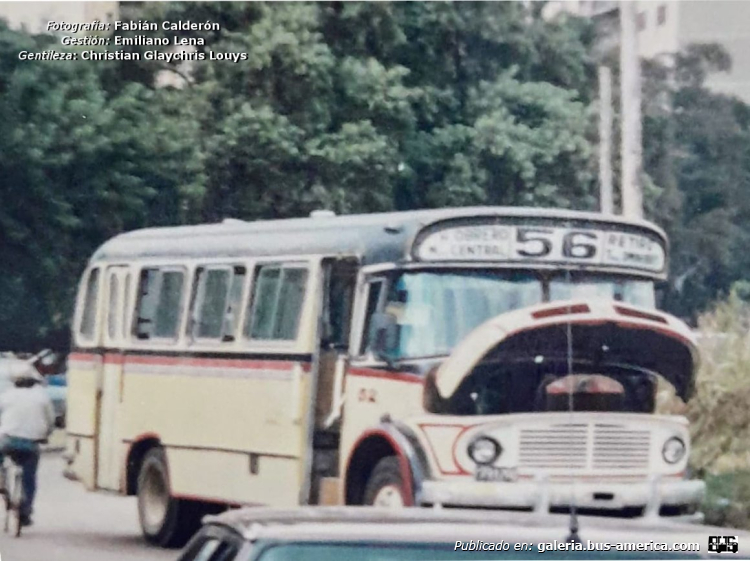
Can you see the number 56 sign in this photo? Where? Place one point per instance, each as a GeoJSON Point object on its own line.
{"type": "Point", "coordinates": [549, 244]}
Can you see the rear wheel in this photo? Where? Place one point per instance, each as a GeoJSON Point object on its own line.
{"type": "Point", "coordinates": [165, 520]}
{"type": "Point", "coordinates": [385, 487]}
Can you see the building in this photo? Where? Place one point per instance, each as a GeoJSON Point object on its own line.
{"type": "Point", "coordinates": [34, 16]}
{"type": "Point", "coordinates": [666, 27]}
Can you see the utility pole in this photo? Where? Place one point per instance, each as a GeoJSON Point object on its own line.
{"type": "Point", "coordinates": [630, 94]}
{"type": "Point", "coordinates": [605, 140]}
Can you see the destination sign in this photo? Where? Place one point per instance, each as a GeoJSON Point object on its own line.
{"type": "Point", "coordinates": [546, 244]}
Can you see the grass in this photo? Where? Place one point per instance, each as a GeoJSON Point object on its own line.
{"type": "Point", "coordinates": [727, 501]}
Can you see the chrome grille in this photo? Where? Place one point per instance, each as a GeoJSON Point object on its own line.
{"type": "Point", "coordinates": [580, 446]}
{"type": "Point", "coordinates": [619, 447]}
{"type": "Point", "coordinates": [557, 446]}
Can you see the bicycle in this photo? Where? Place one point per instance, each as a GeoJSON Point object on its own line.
{"type": "Point", "coordinates": [11, 481]}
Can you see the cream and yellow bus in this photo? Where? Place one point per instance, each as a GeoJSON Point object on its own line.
{"type": "Point", "coordinates": [475, 357]}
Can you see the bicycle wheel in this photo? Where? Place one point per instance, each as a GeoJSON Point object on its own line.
{"type": "Point", "coordinates": [6, 501]}
{"type": "Point", "coordinates": [16, 497]}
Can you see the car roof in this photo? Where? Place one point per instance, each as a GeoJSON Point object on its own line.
{"type": "Point", "coordinates": [351, 523]}
{"type": "Point", "coordinates": [376, 238]}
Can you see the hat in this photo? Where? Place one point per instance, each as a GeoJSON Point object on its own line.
{"type": "Point", "coordinates": [24, 371]}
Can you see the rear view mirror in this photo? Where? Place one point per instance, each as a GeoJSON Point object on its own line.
{"type": "Point", "coordinates": [660, 294]}
{"type": "Point", "coordinates": [383, 335]}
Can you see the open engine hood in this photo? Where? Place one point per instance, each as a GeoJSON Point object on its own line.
{"type": "Point", "coordinates": [601, 332]}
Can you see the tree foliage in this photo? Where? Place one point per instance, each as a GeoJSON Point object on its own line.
{"type": "Point", "coordinates": [697, 150]}
{"type": "Point", "coordinates": [349, 106]}
{"type": "Point", "coordinates": [362, 107]}
{"type": "Point", "coordinates": [77, 165]}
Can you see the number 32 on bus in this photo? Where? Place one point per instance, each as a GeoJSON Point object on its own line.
{"type": "Point", "coordinates": [476, 357]}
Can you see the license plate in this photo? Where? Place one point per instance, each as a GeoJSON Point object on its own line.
{"type": "Point", "coordinates": [492, 473]}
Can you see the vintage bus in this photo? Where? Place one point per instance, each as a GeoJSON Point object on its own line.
{"type": "Point", "coordinates": [474, 357]}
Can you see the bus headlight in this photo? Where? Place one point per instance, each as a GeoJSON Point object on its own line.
{"type": "Point", "coordinates": [484, 450]}
{"type": "Point", "coordinates": [674, 450]}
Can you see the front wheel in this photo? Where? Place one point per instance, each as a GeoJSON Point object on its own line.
{"type": "Point", "coordinates": [13, 500]}
{"type": "Point", "coordinates": [165, 520]}
{"type": "Point", "coordinates": [385, 487]}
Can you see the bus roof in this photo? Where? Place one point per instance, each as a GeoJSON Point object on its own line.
{"type": "Point", "coordinates": [375, 238]}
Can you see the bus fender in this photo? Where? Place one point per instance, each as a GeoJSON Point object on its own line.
{"type": "Point", "coordinates": [137, 448]}
{"type": "Point", "coordinates": [387, 438]}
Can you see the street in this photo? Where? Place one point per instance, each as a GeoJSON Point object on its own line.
{"type": "Point", "coordinates": [71, 524]}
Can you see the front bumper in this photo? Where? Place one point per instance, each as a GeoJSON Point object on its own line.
{"type": "Point", "coordinates": [541, 495]}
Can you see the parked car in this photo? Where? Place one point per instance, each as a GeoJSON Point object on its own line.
{"type": "Point", "coordinates": [56, 384]}
{"type": "Point", "coordinates": [57, 388]}
{"type": "Point", "coordinates": [370, 534]}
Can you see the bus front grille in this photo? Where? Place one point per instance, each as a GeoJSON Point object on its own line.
{"type": "Point", "coordinates": [561, 446]}
{"type": "Point", "coordinates": [580, 446]}
{"type": "Point", "coordinates": [619, 447]}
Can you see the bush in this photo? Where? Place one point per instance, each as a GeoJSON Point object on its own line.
{"type": "Point", "coordinates": [719, 412]}
{"type": "Point", "coordinates": [727, 501]}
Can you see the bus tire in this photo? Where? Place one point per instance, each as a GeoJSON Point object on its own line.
{"type": "Point", "coordinates": [165, 520]}
{"type": "Point", "coordinates": [385, 486]}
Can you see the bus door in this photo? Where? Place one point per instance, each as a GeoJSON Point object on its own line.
{"type": "Point", "coordinates": [340, 277]}
{"type": "Point", "coordinates": [118, 283]}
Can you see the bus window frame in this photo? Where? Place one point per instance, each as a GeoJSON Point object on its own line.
{"type": "Point", "coordinates": [124, 312]}
{"type": "Point", "coordinates": [188, 272]}
{"type": "Point", "coordinates": [197, 297]}
{"type": "Point", "coordinates": [383, 280]}
{"type": "Point", "coordinates": [128, 306]}
{"type": "Point", "coordinates": [81, 304]}
{"type": "Point", "coordinates": [326, 266]}
{"type": "Point", "coordinates": [306, 332]}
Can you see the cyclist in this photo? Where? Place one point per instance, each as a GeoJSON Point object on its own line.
{"type": "Point", "coordinates": [26, 419]}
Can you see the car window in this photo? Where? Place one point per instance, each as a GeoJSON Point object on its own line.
{"type": "Point", "coordinates": [211, 549]}
{"type": "Point", "coordinates": [434, 552]}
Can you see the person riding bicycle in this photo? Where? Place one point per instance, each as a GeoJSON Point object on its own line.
{"type": "Point", "coordinates": [27, 418]}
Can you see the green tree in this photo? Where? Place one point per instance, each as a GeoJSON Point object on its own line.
{"type": "Point", "coordinates": [351, 106]}
{"type": "Point", "coordinates": [696, 145]}
{"type": "Point", "coordinates": [78, 166]}
{"type": "Point", "coordinates": [362, 107]}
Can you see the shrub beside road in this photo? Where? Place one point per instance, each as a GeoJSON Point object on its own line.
{"type": "Point", "coordinates": [719, 412]}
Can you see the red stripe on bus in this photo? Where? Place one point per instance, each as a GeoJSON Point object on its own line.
{"type": "Point", "coordinates": [382, 374]}
{"type": "Point", "coordinates": [112, 358]}
{"type": "Point", "coordinates": [156, 360]}
{"type": "Point", "coordinates": [424, 427]}
{"type": "Point", "coordinates": [210, 362]}
{"type": "Point", "coordinates": [82, 357]}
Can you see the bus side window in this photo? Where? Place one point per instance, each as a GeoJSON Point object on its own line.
{"type": "Point", "coordinates": [218, 290]}
{"type": "Point", "coordinates": [87, 328]}
{"type": "Point", "coordinates": [276, 304]}
{"type": "Point", "coordinates": [374, 296]}
{"type": "Point", "coordinates": [127, 312]}
{"type": "Point", "coordinates": [112, 311]}
{"type": "Point", "coordinates": [338, 303]}
{"type": "Point", "coordinates": [232, 311]}
{"type": "Point", "coordinates": [159, 303]}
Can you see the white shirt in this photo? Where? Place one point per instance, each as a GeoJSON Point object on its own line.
{"type": "Point", "coordinates": [26, 413]}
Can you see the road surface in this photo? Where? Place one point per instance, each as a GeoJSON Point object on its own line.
{"type": "Point", "coordinates": [71, 524]}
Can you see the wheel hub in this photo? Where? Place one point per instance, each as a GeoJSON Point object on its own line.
{"type": "Point", "coordinates": [155, 499]}
{"type": "Point", "coordinates": [389, 496]}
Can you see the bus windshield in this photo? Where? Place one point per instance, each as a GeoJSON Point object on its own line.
{"type": "Point", "coordinates": [633, 291]}
{"type": "Point", "coordinates": [435, 310]}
